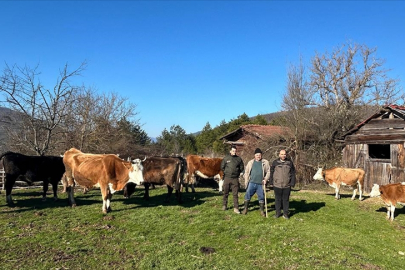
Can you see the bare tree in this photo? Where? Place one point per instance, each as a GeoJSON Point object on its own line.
{"type": "Point", "coordinates": [344, 82]}
{"type": "Point", "coordinates": [95, 122]}
{"type": "Point", "coordinates": [336, 92]}
{"type": "Point", "coordinates": [41, 109]}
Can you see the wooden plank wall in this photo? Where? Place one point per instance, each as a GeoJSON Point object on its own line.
{"type": "Point", "coordinates": [380, 172]}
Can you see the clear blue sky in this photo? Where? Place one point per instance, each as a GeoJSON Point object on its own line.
{"type": "Point", "coordinates": [191, 62]}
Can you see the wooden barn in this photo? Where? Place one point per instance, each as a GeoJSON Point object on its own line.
{"type": "Point", "coordinates": [377, 146]}
{"type": "Point", "coordinates": [248, 137]}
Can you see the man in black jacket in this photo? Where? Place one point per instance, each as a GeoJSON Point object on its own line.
{"type": "Point", "coordinates": [232, 166]}
{"type": "Point", "coordinates": [282, 178]}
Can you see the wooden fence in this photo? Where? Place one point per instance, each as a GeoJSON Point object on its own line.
{"type": "Point", "coordinates": [18, 184]}
{"type": "Point", "coordinates": [1, 179]}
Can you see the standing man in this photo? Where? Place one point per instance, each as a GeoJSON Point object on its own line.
{"type": "Point", "coordinates": [257, 173]}
{"type": "Point", "coordinates": [232, 166]}
{"type": "Point", "coordinates": [282, 177]}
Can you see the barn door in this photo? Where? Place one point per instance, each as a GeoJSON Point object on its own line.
{"type": "Point", "coordinates": [377, 173]}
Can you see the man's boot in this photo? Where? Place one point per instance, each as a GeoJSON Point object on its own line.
{"type": "Point", "coordinates": [244, 212]}
{"type": "Point", "coordinates": [261, 204]}
{"type": "Point", "coordinates": [224, 206]}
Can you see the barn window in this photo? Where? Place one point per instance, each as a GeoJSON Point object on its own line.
{"type": "Point", "coordinates": [379, 151]}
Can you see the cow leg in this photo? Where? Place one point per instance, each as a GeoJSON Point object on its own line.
{"type": "Point", "coordinates": [360, 192]}
{"type": "Point", "coordinates": [146, 195]}
{"type": "Point", "coordinates": [71, 199]}
{"type": "Point", "coordinates": [177, 186]}
{"type": "Point", "coordinates": [354, 193]}
{"type": "Point", "coordinates": [220, 186]}
{"type": "Point", "coordinates": [109, 198]}
{"type": "Point", "coordinates": [105, 195]}
{"type": "Point", "coordinates": [8, 185]}
{"type": "Point", "coordinates": [169, 193]}
{"type": "Point", "coordinates": [45, 189]}
{"type": "Point", "coordinates": [337, 195]}
{"type": "Point", "coordinates": [392, 208]}
{"type": "Point", "coordinates": [55, 190]}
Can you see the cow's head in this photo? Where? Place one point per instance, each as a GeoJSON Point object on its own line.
{"type": "Point", "coordinates": [136, 172]}
{"type": "Point", "coordinates": [375, 191]}
{"type": "Point", "coordinates": [318, 175]}
{"type": "Point", "coordinates": [129, 189]}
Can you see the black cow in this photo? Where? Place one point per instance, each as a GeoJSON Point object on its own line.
{"type": "Point", "coordinates": [167, 171]}
{"type": "Point", "coordinates": [48, 169]}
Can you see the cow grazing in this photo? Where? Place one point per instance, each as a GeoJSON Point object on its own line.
{"type": "Point", "coordinates": [204, 168]}
{"type": "Point", "coordinates": [167, 171]}
{"type": "Point", "coordinates": [391, 194]}
{"type": "Point", "coordinates": [48, 169]}
{"type": "Point", "coordinates": [336, 177]}
{"type": "Point", "coordinates": [108, 172]}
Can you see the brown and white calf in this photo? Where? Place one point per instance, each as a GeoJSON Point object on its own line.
{"type": "Point", "coordinates": [204, 168]}
{"type": "Point", "coordinates": [336, 177]}
{"type": "Point", "coordinates": [391, 194]}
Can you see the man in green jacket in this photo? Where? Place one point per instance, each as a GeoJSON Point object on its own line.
{"type": "Point", "coordinates": [257, 173]}
{"type": "Point", "coordinates": [232, 166]}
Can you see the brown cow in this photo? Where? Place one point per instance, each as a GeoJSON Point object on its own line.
{"type": "Point", "coordinates": [108, 172]}
{"type": "Point", "coordinates": [167, 171]}
{"type": "Point", "coordinates": [391, 194]}
{"type": "Point", "coordinates": [342, 176]}
{"type": "Point", "coordinates": [204, 168]}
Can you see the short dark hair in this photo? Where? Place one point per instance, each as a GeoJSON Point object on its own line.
{"type": "Point", "coordinates": [233, 146]}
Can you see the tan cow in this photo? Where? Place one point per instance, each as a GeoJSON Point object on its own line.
{"type": "Point", "coordinates": [391, 194]}
{"type": "Point", "coordinates": [336, 177]}
{"type": "Point", "coordinates": [108, 172]}
{"type": "Point", "coordinates": [204, 168]}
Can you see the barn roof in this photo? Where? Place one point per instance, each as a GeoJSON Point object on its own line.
{"type": "Point", "coordinates": [259, 131]}
{"type": "Point", "coordinates": [398, 111]}
{"type": "Point", "coordinates": [384, 127]}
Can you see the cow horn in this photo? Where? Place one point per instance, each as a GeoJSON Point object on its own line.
{"type": "Point", "coordinates": [144, 159]}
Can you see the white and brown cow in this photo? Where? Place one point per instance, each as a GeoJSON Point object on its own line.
{"type": "Point", "coordinates": [167, 171]}
{"type": "Point", "coordinates": [391, 194]}
{"type": "Point", "coordinates": [204, 168]}
{"type": "Point", "coordinates": [336, 177]}
{"type": "Point", "coordinates": [108, 172]}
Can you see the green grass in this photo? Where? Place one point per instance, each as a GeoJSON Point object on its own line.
{"type": "Point", "coordinates": [322, 233]}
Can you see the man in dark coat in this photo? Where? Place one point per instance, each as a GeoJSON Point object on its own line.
{"type": "Point", "coordinates": [232, 166]}
{"type": "Point", "coordinates": [282, 178]}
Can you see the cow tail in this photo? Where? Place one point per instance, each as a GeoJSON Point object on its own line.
{"type": "Point", "coordinates": [179, 175]}
{"type": "Point", "coordinates": [361, 179]}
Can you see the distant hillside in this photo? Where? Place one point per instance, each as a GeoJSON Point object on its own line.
{"type": "Point", "coordinates": [6, 120]}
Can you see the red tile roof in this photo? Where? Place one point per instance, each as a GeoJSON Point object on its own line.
{"type": "Point", "coordinates": [261, 131]}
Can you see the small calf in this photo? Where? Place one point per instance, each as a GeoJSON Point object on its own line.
{"type": "Point", "coordinates": [391, 194]}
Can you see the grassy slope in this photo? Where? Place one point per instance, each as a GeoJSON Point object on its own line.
{"type": "Point", "coordinates": [322, 233]}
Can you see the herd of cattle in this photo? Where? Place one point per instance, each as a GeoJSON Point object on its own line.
{"type": "Point", "coordinates": [111, 173]}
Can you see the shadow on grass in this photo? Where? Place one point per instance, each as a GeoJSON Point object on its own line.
{"type": "Point", "coordinates": [304, 207]}
{"type": "Point", "coordinates": [188, 200]}
{"type": "Point", "coordinates": [32, 200]}
{"type": "Point", "coordinates": [397, 212]}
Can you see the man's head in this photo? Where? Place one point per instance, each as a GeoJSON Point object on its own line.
{"type": "Point", "coordinates": [283, 154]}
{"type": "Point", "coordinates": [233, 150]}
{"type": "Point", "coordinates": [258, 154]}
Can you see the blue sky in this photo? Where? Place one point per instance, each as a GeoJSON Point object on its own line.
{"type": "Point", "coordinates": [191, 62]}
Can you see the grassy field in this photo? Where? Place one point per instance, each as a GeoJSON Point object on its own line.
{"type": "Point", "coordinates": [322, 233]}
